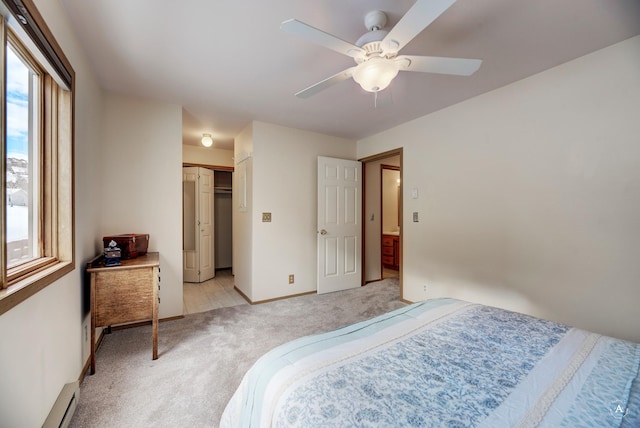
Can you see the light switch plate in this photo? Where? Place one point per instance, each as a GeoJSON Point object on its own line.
{"type": "Point", "coordinates": [415, 217]}
{"type": "Point", "coordinates": [266, 217]}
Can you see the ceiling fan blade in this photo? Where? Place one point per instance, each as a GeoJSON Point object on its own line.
{"type": "Point", "coordinates": [330, 81]}
{"type": "Point", "coordinates": [440, 65]}
{"type": "Point", "coordinates": [421, 14]}
{"type": "Point", "coordinates": [319, 37]}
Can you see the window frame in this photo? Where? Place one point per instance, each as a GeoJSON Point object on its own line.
{"type": "Point", "coordinates": [55, 161]}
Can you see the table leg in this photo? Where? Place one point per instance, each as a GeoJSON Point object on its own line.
{"type": "Point", "coordinates": [93, 324]}
{"type": "Point", "coordinates": [154, 322]}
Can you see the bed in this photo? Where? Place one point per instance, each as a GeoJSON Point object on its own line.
{"type": "Point", "coordinates": [443, 362]}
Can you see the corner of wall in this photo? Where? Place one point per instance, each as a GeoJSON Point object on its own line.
{"type": "Point", "coordinates": [242, 212]}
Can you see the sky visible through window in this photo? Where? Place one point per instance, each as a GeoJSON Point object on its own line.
{"type": "Point", "coordinates": [17, 107]}
{"type": "Point", "coordinates": [17, 150]}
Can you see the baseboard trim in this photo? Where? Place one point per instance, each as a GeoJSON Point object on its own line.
{"type": "Point", "coordinates": [259, 302]}
{"type": "Point", "coordinates": [85, 369]}
{"type": "Point", "coordinates": [87, 364]}
{"type": "Point", "coordinates": [142, 323]}
{"type": "Point", "coordinates": [244, 296]}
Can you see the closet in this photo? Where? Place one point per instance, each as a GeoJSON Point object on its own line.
{"type": "Point", "coordinates": [206, 224]}
{"type": "Point", "coordinates": [223, 214]}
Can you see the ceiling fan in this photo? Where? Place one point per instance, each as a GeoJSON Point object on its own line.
{"type": "Point", "coordinates": [376, 52]}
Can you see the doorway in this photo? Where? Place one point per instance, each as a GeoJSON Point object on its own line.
{"type": "Point", "coordinates": [390, 217]}
{"type": "Point", "coordinates": [207, 219]}
{"type": "Point", "coordinates": [223, 215]}
{"type": "Point", "coordinates": [201, 295]}
{"type": "Point", "coordinates": [197, 224]}
{"type": "Point", "coordinates": [374, 236]}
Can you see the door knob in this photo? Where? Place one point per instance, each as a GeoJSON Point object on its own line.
{"type": "Point", "coordinates": [323, 232]}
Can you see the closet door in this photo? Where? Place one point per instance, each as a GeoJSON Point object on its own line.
{"type": "Point", "coordinates": [197, 224]}
{"type": "Point", "coordinates": [190, 235]}
{"type": "Point", "coordinates": [206, 225]}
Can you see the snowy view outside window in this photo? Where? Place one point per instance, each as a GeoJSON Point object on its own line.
{"type": "Point", "coordinates": [19, 207]}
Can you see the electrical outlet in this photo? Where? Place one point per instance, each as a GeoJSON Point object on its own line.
{"type": "Point", "coordinates": [266, 217]}
{"type": "Point", "coordinates": [291, 279]}
{"type": "Point", "coordinates": [426, 287]}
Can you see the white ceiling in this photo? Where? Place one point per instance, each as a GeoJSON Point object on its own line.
{"type": "Point", "coordinates": [228, 63]}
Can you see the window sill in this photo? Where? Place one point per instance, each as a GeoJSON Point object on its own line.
{"type": "Point", "coordinates": [27, 287]}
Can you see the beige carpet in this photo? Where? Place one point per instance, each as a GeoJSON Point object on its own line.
{"type": "Point", "coordinates": [203, 357]}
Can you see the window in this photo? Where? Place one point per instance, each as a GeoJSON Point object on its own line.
{"type": "Point", "coordinates": [22, 102]}
{"type": "Point", "coordinates": [37, 154]}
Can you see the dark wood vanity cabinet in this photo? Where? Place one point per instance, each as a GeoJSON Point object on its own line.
{"type": "Point", "coordinates": [391, 251]}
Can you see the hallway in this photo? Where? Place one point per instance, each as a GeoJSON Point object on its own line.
{"type": "Point", "coordinates": [215, 293]}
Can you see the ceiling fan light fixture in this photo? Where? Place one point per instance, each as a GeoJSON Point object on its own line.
{"type": "Point", "coordinates": [207, 141]}
{"type": "Point", "coordinates": [375, 74]}
{"type": "Point", "coordinates": [376, 52]}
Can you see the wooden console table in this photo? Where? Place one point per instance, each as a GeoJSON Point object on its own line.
{"type": "Point", "coordinates": [123, 294]}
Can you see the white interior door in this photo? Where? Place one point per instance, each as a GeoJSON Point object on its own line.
{"type": "Point", "coordinates": [197, 224]}
{"type": "Point", "coordinates": [190, 235]}
{"type": "Point", "coordinates": [206, 225]}
{"type": "Point", "coordinates": [339, 225]}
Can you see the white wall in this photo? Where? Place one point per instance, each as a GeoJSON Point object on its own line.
{"type": "Point", "coordinates": [206, 155]}
{"type": "Point", "coordinates": [529, 196]}
{"type": "Point", "coordinates": [43, 344]}
{"type": "Point", "coordinates": [243, 212]}
{"type": "Point", "coordinates": [284, 183]}
{"type": "Point", "coordinates": [141, 183]}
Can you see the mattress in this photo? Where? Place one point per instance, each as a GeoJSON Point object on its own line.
{"type": "Point", "coordinates": [443, 362]}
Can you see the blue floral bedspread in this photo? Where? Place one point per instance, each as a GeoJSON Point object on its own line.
{"type": "Point", "coordinates": [444, 363]}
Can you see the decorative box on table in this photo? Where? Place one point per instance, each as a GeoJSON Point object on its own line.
{"type": "Point", "coordinates": [131, 245]}
{"type": "Point", "coordinates": [112, 254]}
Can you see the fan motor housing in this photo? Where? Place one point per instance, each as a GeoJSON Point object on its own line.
{"type": "Point", "coordinates": [371, 38]}
{"type": "Point", "coordinates": [375, 20]}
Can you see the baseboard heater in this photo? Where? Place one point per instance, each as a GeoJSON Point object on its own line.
{"type": "Point", "coordinates": [62, 410]}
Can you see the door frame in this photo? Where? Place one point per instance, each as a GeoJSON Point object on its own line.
{"type": "Point", "coordinates": [207, 166]}
{"type": "Point", "coordinates": [365, 162]}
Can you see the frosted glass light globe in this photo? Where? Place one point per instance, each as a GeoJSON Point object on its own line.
{"type": "Point", "coordinates": [375, 74]}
